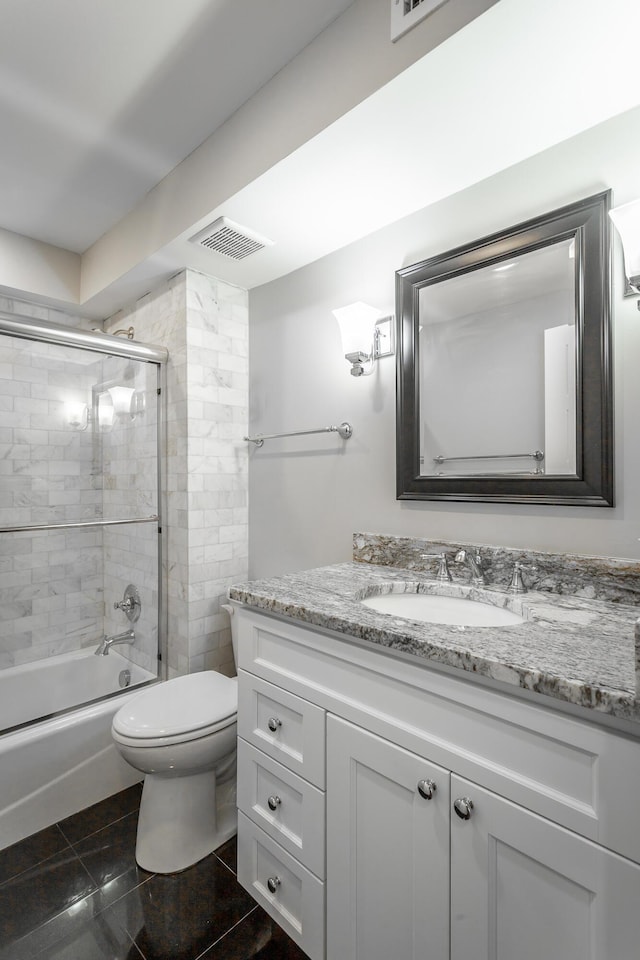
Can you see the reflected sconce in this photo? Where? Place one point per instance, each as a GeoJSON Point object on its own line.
{"type": "Point", "coordinates": [627, 222]}
{"type": "Point", "coordinates": [77, 415]}
{"type": "Point", "coordinates": [105, 411]}
{"type": "Point", "coordinates": [126, 402]}
{"type": "Point", "coordinates": [367, 335]}
{"type": "Point", "coordinates": [121, 398]}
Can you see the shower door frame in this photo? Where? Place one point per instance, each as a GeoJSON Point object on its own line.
{"type": "Point", "coordinates": [45, 331]}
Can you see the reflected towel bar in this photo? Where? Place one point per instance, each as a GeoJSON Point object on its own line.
{"type": "Point", "coordinates": [345, 430]}
{"type": "Point", "coordinates": [536, 455]}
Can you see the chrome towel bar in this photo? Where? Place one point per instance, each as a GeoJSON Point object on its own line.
{"type": "Point", "coordinates": [345, 430]}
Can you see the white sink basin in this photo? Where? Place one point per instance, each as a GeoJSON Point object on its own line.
{"type": "Point", "coordinates": [433, 608]}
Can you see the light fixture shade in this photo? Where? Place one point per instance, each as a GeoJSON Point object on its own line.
{"type": "Point", "coordinates": [121, 399]}
{"type": "Point", "coordinates": [357, 323]}
{"type": "Point", "coordinates": [627, 221]}
{"type": "Point", "coordinates": [77, 415]}
{"type": "Point", "coordinates": [105, 411]}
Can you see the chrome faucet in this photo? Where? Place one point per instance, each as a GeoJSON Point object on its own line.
{"type": "Point", "coordinates": [443, 574]}
{"type": "Point", "coordinates": [107, 642]}
{"type": "Point", "coordinates": [474, 562]}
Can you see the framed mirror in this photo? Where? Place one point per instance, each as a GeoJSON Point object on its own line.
{"type": "Point", "coordinates": [504, 388]}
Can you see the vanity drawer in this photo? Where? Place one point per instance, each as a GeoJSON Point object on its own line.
{"type": "Point", "coordinates": [285, 727]}
{"type": "Point", "coordinates": [289, 893]}
{"type": "Point", "coordinates": [288, 808]}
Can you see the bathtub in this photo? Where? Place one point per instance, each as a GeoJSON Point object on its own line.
{"type": "Point", "coordinates": [62, 764]}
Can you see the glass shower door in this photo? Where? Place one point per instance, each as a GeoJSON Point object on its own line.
{"type": "Point", "coordinates": [79, 515]}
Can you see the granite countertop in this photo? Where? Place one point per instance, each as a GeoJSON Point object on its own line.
{"type": "Point", "coordinates": [572, 648]}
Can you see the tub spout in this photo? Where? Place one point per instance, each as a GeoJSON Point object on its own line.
{"type": "Point", "coordinates": [127, 637]}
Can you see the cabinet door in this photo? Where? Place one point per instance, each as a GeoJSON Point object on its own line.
{"type": "Point", "coordinates": [387, 850]}
{"type": "Point", "coordinates": [523, 888]}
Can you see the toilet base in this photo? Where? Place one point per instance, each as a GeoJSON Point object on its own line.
{"type": "Point", "coordinates": [181, 820]}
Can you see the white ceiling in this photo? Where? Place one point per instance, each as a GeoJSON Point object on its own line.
{"type": "Point", "coordinates": [100, 99]}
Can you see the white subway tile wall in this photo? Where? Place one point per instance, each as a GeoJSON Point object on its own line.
{"type": "Point", "coordinates": [130, 471]}
{"type": "Point", "coordinates": [53, 583]}
{"type": "Point", "coordinates": [203, 323]}
{"type": "Point", "coordinates": [58, 587]}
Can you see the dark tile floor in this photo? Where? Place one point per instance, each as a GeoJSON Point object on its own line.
{"type": "Point", "coordinates": [74, 892]}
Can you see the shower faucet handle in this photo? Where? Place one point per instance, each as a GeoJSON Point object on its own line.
{"type": "Point", "coordinates": [124, 604]}
{"type": "Point", "coordinates": [130, 604]}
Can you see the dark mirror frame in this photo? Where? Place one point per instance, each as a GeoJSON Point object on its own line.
{"type": "Point", "coordinates": [588, 222]}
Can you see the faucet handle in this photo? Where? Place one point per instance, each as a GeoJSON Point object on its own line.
{"type": "Point", "coordinates": [443, 573]}
{"type": "Point", "coordinates": [130, 604]}
{"type": "Point", "coordinates": [473, 560]}
{"type": "Point", "coordinates": [517, 584]}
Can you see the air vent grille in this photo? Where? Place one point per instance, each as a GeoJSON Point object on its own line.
{"type": "Point", "coordinates": [407, 13]}
{"type": "Point", "coordinates": [230, 239]}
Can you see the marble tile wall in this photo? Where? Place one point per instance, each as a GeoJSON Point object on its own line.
{"type": "Point", "coordinates": [58, 588]}
{"type": "Point", "coordinates": [204, 324]}
{"type": "Point", "coordinates": [130, 482]}
{"type": "Point", "coordinates": [51, 590]}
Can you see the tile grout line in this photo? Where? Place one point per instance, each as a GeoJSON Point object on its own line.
{"type": "Point", "coordinates": [37, 863]}
{"type": "Point", "coordinates": [227, 932]}
{"type": "Point", "coordinates": [93, 832]}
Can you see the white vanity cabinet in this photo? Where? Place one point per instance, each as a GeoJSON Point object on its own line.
{"type": "Point", "coordinates": [388, 842]}
{"type": "Point", "coordinates": [409, 877]}
{"type": "Point", "coordinates": [547, 864]}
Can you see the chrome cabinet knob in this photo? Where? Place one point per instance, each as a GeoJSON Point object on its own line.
{"type": "Point", "coordinates": [274, 803]}
{"type": "Point", "coordinates": [273, 883]}
{"type": "Point", "coordinates": [463, 807]}
{"type": "Point", "coordinates": [273, 723]}
{"type": "Point", "coordinates": [426, 789]}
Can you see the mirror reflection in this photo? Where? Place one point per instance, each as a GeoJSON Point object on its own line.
{"type": "Point", "coordinates": [504, 389]}
{"type": "Point", "coordinates": [497, 368]}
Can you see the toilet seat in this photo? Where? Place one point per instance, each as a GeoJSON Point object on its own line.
{"type": "Point", "coordinates": [185, 708]}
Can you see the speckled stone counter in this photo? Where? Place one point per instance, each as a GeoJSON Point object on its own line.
{"type": "Point", "coordinates": [579, 646]}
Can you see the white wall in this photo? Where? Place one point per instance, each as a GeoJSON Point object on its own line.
{"type": "Point", "coordinates": [309, 494]}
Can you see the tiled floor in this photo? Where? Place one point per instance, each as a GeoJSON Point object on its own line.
{"type": "Point", "coordinates": [74, 892]}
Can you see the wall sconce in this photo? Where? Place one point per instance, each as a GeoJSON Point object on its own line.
{"type": "Point", "coordinates": [627, 222]}
{"type": "Point", "coordinates": [367, 335]}
{"type": "Point", "coordinates": [77, 415]}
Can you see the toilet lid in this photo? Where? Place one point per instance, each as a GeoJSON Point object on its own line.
{"type": "Point", "coordinates": [180, 705]}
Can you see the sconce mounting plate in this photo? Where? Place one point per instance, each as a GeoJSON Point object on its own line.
{"type": "Point", "coordinates": [384, 338]}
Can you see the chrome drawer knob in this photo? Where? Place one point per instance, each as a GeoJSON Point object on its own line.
{"type": "Point", "coordinates": [273, 723]}
{"type": "Point", "coordinates": [274, 803]}
{"type": "Point", "coordinates": [273, 883]}
{"type": "Point", "coordinates": [426, 789]}
{"type": "Point", "coordinates": [463, 807]}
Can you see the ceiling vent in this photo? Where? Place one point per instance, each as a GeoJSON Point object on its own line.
{"type": "Point", "coordinates": [407, 13]}
{"type": "Point", "coordinates": [230, 239]}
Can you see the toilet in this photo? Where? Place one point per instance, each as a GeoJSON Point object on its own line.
{"type": "Point", "coordinates": [182, 735]}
